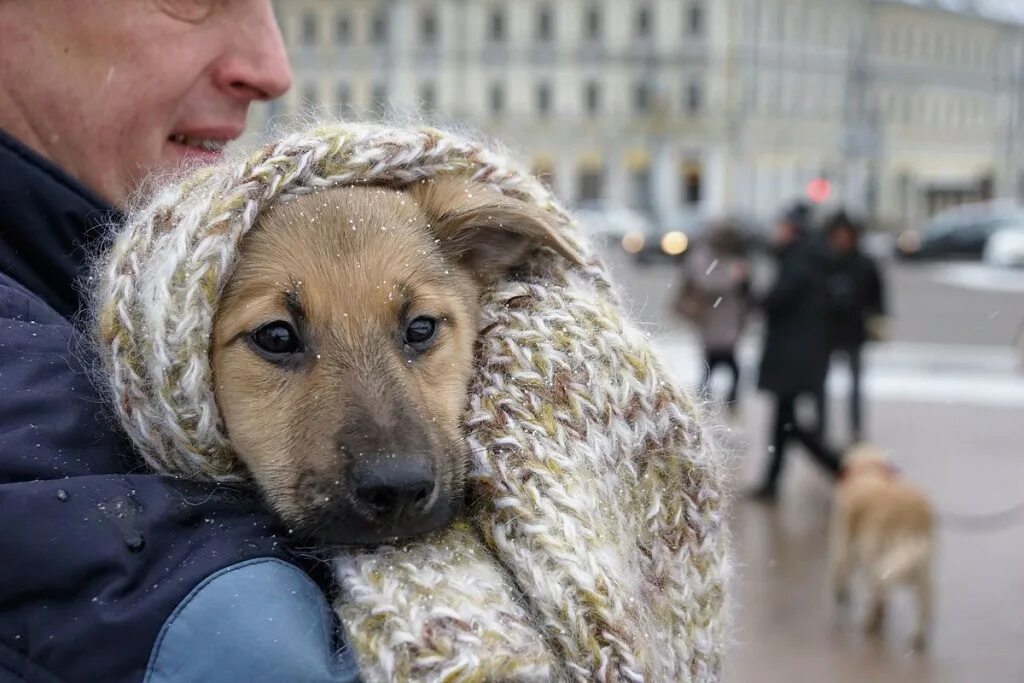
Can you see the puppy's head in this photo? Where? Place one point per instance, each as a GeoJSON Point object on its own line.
{"type": "Point", "coordinates": [343, 348]}
{"type": "Point", "coordinates": [866, 459]}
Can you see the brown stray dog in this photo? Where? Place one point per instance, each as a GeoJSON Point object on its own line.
{"type": "Point", "coordinates": [343, 348]}
{"type": "Point", "coordinates": [885, 527]}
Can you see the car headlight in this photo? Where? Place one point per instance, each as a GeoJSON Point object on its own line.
{"type": "Point", "coordinates": [633, 241]}
{"type": "Point", "coordinates": [674, 243]}
{"type": "Point", "coordinates": [909, 241]}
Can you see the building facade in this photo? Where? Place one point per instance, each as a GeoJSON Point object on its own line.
{"type": "Point", "coordinates": [691, 109]}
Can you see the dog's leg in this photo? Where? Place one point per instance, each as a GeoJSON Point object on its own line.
{"type": "Point", "coordinates": [876, 610]}
{"type": "Point", "coordinates": [923, 593]}
{"type": "Point", "coordinates": [840, 557]}
{"type": "Point", "coordinates": [877, 576]}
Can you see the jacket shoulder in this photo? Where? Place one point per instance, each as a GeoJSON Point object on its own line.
{"type": "Point", "coordinates": [17, 303]}
{"type": "Point", "coordinates": [280, 629]}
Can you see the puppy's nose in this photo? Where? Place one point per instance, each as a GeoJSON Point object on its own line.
{"type": "Point", "coordinates": [393, 487]}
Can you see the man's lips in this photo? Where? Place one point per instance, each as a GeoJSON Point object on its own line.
{"type": "Point", "coordinates": [205, 144]}
{"type": "Point", "coordinates": [212, 140]}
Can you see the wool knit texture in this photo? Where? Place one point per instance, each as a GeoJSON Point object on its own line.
{"type": "Point", "coordinates": [594, 548]}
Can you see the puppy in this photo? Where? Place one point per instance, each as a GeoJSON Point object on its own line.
{"type": "Point", "coordinates": [343, 349]}
{"type": "Point", "coordinates": [884, 527]}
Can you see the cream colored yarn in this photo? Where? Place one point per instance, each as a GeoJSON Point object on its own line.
{"type": "Point", "coordinates": [595, 547]}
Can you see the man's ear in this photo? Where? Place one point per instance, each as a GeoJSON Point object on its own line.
{"type": "Point", "coordinates": [489, 232]}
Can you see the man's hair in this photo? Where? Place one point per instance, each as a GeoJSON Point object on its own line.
{"type": "Point", "coordinates": [799, 216]}
{"type": "Point", "coordinates": [841, 220]}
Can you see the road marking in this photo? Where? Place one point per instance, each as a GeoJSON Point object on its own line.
{"type": "Point", "coordinates": [919, 373]}
{"type": "Point", "coordinates": [978, 276]}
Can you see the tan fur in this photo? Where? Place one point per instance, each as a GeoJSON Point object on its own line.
{"type": "Point", "coordinates": [362, 261]}
{"type": "Point", "coordinates": [883, 526]}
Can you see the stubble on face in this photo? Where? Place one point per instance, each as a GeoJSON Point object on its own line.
{"type": "Point", "coordinates": [113, 90]}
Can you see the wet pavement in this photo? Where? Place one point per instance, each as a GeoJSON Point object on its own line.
{"type": "Point", "coordinates": [945, 399]}
{"type": "Point", "coordinates": [964, 458]}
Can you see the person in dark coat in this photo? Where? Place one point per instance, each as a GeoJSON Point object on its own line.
{"type": "Point", "coordinates": [856, 302]}
{"type": "Point", "coordinates": [794, 360]}
{"type": "Point", "coordinates": [108, 572]}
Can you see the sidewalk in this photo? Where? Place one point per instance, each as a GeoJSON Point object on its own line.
{"type": "Point", "coordinates": [950, 419]}
{"type": "Point", "coordinates": [894, 371]}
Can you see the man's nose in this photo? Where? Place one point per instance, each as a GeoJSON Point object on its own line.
{"type": "Point", "coordinates": [254, 65]}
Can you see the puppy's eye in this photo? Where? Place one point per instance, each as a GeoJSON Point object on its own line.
{"type": "Point", "coordinates": [420, 331]}
{"type": "Point", "coordinates": [277, 338]}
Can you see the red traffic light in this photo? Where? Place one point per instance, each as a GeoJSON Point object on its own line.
{"type": "Point", "coordinates": [818, 190]}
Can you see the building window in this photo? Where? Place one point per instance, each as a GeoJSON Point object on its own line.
{"type": "Point", "coordinates": [273, 109]}
{"type": "Point", "coordinates": [428, 97]}
{"type": "Point", "coordinates": [927, 45]}
{"type": "Point", "coordinates": [379, 99]}
{"type": "Point", "coordinates": [593, 23]}
{"type": "Point", "coordinates": [428, 27]}
{"type": "Point", "coordinates": [641, 98]}
{"type": "Point", "coordinates": [497, 26]}
{"type": "Point", "coordinates": [643, 22]}
{"type": "Point", "coordinates": [310, 95]}
{"type": "Point", "coordinates": [342, 97]}
{"type": "Point", "coordinates": [543, 99]}
{"type": "Point", "coordinates": [642, 196]}
{"type": "Point", "coordinates": [379, 27]}
{"type": "Point", "coordinates": [593, 98]}
{"type": "Point", "coordinates": [497, 99]}
{"type": "Point", "coordinates": [545, 24]}
{"type": "Point", "coordinates": [544, 172]}
{"type": "Point", "coordinates": [342, 30]}
{"type": "Point", "coordinates": [694, 98]}
{"type": "Point", "coordinates": [591, 184]}
{"type": "Point", "coordinates": [692, 182]}
{"type": "Point", "coordinates": [695, 18]}
{"type": "Point", "coordinates": [309, 28]}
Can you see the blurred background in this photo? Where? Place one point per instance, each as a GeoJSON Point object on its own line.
{"type": "Point", "coordinates": [658, 119]}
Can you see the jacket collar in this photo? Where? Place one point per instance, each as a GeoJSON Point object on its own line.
{"type": "Point", "coordinates": [49, 224]}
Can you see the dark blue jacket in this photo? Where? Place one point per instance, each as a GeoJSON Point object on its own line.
{"type": "Point", "coordinates": [109, 573]}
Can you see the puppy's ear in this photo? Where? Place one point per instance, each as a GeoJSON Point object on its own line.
{"type": "Point", "coordinates": [487, 231]}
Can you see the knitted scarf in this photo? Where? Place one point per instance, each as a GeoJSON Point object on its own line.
{"type": "Point", "coordinates": [595, 549]}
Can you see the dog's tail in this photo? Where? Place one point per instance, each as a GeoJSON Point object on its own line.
{"type": "Point", "coordinates": [904, 557]}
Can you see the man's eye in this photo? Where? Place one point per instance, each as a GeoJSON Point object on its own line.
{"type": "Point", "coordinates": [192, 11]}
{"type": "Point", "coordinates": [420, 332]}
{"type": "Point", "coordinates": [277, 338]}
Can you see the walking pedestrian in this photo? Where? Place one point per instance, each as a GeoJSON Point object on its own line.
{"type": "Point", "coordinates": [715, 298]}
{"type": "Point", "coordinates": [794, 359]}
{"type": "Point", "coordinates": [856, 310]}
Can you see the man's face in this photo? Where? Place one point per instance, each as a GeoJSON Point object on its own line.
{"type": "Point", "coordinates": [785, 233]}
{"type": "Point", "coordinates": [842, 240]}
{"type": "Point", "coordinates": [111, 90]}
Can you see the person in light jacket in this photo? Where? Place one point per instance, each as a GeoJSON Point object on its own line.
{"type": "Point", "coordinates": [716, 290]}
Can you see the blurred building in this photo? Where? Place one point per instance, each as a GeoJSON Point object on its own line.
{"type": "Point", "coordinates": [694, 108]}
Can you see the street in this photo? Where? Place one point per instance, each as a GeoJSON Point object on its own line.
{"type": "Point", "coordinates": [944, 399]}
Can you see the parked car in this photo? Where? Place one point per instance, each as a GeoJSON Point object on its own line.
{"type": "Point", "coordinates": [1006, 246]}
{"type": "Point", "coordinates": [664, 245]}
{"type": "Point", "coordinates": [611, 222]}
{"type": "Point", "coordinates": [960, 233]}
